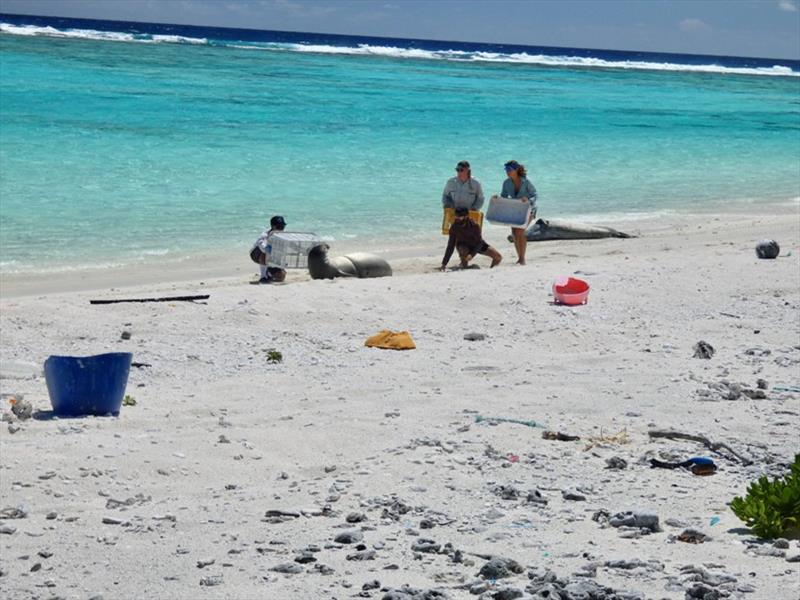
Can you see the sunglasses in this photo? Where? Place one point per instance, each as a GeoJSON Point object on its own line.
{"type": "Point", "coordinates": [460, 169]}
{"type": "Point", "coordinates": [510, 168]}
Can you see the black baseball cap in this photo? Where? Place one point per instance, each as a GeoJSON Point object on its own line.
{"type": "Point", "coordinates": [277, 221]}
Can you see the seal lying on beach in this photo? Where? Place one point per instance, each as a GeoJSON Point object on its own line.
{"type": "Point", "coordinates": [358, 264]}
{"type": "Point", "coordinates": [553, 229]}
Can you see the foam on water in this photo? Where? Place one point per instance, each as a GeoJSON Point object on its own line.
{"type": "Point", "coordinates": [93, 34]}
{"type": "Point", "coordinates": [407, 53]}
{"type": "Point", "coordinates": [540, 59]}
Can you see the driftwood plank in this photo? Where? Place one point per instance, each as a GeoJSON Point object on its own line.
{"type": "Point", "coordinates": [164, 299]}
{"type": "Point", "coordinates": [713, 446]}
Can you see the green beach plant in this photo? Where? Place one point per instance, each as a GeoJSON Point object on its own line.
{"type": "Point", "coordinates": [274, 356]}
{"type": "Point", "coordinates": [771, 508]}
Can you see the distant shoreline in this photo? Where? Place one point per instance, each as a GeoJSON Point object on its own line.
{"type": "Point", "coordinates": [423, 252]}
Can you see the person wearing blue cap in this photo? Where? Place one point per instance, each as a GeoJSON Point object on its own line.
{"type": "Point", "coordinates": [517, 185]}
{"type": "Point", "coordinates": [261, 250]}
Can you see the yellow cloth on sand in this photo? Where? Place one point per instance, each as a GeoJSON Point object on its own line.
{"type": "Point", "coordinates": [391, 340]}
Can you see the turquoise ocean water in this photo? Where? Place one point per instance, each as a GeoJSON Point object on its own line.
{"type": "Point", "coordinates": [122, 149]}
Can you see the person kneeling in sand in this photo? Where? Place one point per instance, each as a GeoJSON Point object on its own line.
{"type": "Point", "coordinates": [465, 237]}
{"type": "Point", "coordinates": [262, 249]}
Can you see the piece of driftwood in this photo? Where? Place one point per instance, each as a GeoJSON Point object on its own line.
{"type": "Point", "coordinates": [140, 365]}
{"type": "Point", "coordinates": [561, 437]}
{"type": "Point", "coordinates": [165, 299]}
{"type": "Point", "coordinates": [713, 446]}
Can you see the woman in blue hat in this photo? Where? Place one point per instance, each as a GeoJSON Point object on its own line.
{"type": "Point", "coordinates": [517, 185]}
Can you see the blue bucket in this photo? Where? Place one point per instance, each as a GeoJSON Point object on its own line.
{"type": "Point", "coordinates": [87, 385]}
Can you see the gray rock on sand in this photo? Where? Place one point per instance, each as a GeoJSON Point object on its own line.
{"type": "Point", "coordinates": [478, 588]}
{"type": "Point", "coordinates": [641, 519]}
{"type": "Point", "coordinates": [305, 557]}
{"type": "Point", "coordinates": [362, 555]}
{"type": "Point", "coordinates": [498, 567]}
{"type": "Point", "coordinates": [535, 497]}
{"type": "Point", "coordinates": [349, 537]}
{"type": "Point", "coordinates": [703, 349]}
{"type": "Point", "coordinates": [545, 584]}
{"type": "Point", "coordinates": [22, 409]}
{"type": "Point", "coordinates": [615, 462]}
{"type": "Point", "coordinates": [769, 551]}
{"type": "Point", "coordinates": [474, 337]}
{"type": "Point", "coordinates": [323, 569]}
{"type": "Point", "coordinates": [355, 517]}
{"type": "Point", "coordinates": [408, 593]}
{"type": "Point", "coordinates": [427, 524]}
{"type": "Point", "coordinates": [13, 512]}
{"type": "Point", "coordinates": [506, 492]}
{"type": "Point", "coordinates": [288, 568]}
{"type": "Point", "coordinates": [700, 591]}
{"type": "Point", "coordinates": [503, 593]}
{"type": "Point", "coordinates": [425, 546]}
{"type": "Point", "coordinates": [573, 495]}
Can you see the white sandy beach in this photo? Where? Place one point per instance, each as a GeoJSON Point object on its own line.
{"type": "Point", "coordinates": [219, 436]}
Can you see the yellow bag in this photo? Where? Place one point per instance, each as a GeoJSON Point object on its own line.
{"type": "Point", "coordinates": [450, 217]}
{"type": "Point", "coordinates": [391, 340]}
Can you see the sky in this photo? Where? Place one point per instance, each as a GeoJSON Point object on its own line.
{"type": "Point", "coordinates": [756, 28]}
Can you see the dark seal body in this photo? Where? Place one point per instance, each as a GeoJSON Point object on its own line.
{"type": "Point", "coordinates": [358, 264]}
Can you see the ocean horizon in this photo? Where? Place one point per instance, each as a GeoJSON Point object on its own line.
{"type": "Point", "coordinates": [129, 143]}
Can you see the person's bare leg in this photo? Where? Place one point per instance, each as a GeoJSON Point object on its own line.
{"type": "Point", "coordinates": [520, 244]}
{"type": "Point", "coordinates": [464, 256]}
{"type": "Point", "coordinates": [492, 253]}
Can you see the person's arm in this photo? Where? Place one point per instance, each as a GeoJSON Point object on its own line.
{"type": "Point", "coordinates": [447, 196]}
{"type": "Point", "coordinates": [451, 245]}
{"type": "Point", "coordinates": [478, 196]}
{"type": "Point", "coordinates": [267, 247]}
{"type": "Point", "coordinates": [504, 192]}
{"type": "Point", "coordinates": [263, 240]}
{"type": "Point", "coordinates": [532, 195]}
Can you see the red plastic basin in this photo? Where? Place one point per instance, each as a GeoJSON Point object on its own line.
{"type": "Point", "coordinates": [569, 290]}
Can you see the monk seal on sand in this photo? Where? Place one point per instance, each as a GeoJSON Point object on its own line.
{"type": "Point", "coordinates": [553, 229]}
{"type": "Point", "coordinates": [358, 264]}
